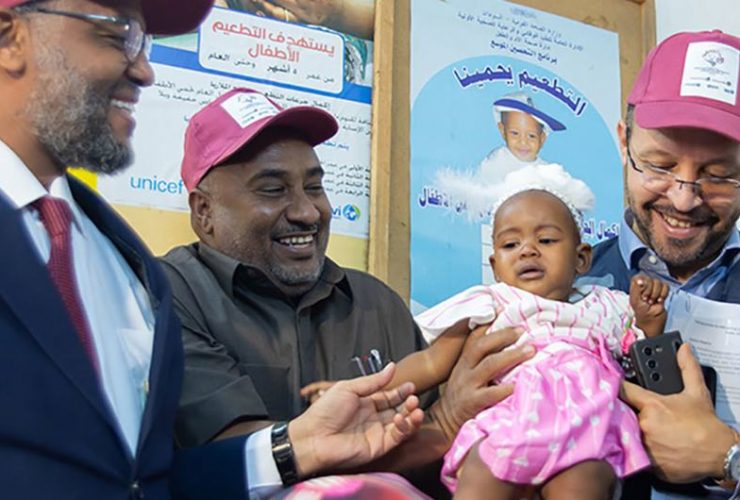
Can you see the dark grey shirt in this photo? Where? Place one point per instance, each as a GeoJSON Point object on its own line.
{"type": "Point", "coordinates": [249, 348]}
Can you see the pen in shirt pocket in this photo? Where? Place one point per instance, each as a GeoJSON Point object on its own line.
{"type": "Point", "coordinates": [367, 364]}
{"type": "Point", "coordinates": [358, 365]}
{"type": "Point", "coordinates": [374, 360]}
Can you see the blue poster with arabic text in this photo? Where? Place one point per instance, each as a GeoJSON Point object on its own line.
{"type": "Point", "coordinates": [472, 62]}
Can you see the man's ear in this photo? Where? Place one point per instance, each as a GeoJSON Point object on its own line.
{"type": "Point", "coordinates": [14, 42]}
{"type": "Point", "coordinates": [622, 136]}
{"type": "Point", "coordinates": [201, 212]}
{"type": "Point", "coordinates": [583, 258]}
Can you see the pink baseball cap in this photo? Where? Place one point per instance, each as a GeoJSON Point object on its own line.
{"type": "Point", "coordinates": [229, 124]}
{"type": "Point", "coordinates": [162, 17]}
{"type": "Point", "coordinates": [691, 80]}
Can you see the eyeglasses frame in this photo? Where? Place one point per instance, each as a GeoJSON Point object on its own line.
{"type": "Point", "coordinates": [695, 185]}
{"type": "Point", "coordinates": [140, 43]}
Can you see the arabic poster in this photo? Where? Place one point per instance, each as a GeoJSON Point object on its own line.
{"type": "Point", "coordinates": [292, 63]}
{"type": "Point", "coordinates": [472, 63]}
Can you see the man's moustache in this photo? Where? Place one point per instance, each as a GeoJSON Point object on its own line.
{"type": "Point", "coordinates": [296, 228]}
{"type": "Point", "coordinates": [698, 215]}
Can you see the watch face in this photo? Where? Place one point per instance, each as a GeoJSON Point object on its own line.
{"type": "Point", "coordinates": [735, 466]}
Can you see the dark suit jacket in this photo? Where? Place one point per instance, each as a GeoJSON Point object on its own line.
{"type": "Point", "coordinates": [58, 437]}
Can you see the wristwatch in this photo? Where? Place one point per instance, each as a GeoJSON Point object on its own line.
{"type": "Point", "coordinates": [732, 463]}
{"type": "Point", "coordinates": [282, 453]}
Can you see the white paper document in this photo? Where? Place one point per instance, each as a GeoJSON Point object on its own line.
{"type": "Point", "coordinates": [713, 329]}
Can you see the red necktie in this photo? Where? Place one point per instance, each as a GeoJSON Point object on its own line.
{"type": "Point", "coordinates": [57, 219]}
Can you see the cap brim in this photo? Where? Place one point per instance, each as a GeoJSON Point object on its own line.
{"type": "Point", "coordinates": [315, 124]}
{"type": "Point", "coordinates": [173, 17]}
{"type": "Point", "coordinates": [551, 122]}
{"type": "Point", "coordinates": [666, 114]}
{"type": "Point", "coordinates": [9, 4]}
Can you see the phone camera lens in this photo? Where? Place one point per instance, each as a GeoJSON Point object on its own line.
{"type": "Point", "coordinates": [648, 351]}
{"type": "Point", "coordinates": [655, 376]}
{"type": "Point", "coordinates": [652, 364]}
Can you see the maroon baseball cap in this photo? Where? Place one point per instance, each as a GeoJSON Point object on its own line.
{"type": "Point", "coordinates": [162, 17]}
{"type": "Point", "coordinates": [691, 80]}
{"type": "Point", "coordinates": [229, 124]}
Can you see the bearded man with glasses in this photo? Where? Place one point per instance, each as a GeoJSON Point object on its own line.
{"type": "Point", "coordinates": [680, 146]}
{"type": "Point", "coordinates": [91, 362]}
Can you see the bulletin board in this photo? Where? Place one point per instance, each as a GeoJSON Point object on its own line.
{"type": "Point", "coordinates": [388, 250]}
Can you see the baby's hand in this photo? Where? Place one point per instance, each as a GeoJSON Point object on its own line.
{"type": "Point", "coordinates": [315, 390]}
{"type": "Point", "coordinates": [647, 298]}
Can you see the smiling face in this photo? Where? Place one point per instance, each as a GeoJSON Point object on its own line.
{"type": "Point", "coordinates": [686, 231]}
{"type": "Point", "coordinates": [266, 207]}
{"type": "Point", "coordinates": [81, 104]}
{"type": "Point", "coordinates": [523, 135]}
{"type": "Point", "coordinates": [536, 246]}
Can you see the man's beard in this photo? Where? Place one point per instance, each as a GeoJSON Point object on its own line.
{"type": "Point", "coordinates": [680, 253]}
{"type": "Point", "coordinates": [290, 276]}
{"type": "Point", "coordinates": [71, 120]}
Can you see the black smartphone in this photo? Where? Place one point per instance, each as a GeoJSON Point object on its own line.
{"type": "Point", "coordinates": [655, 364]}
{"type": "Point", "coordinates": [656, 368]}
{"type": "Point", "coordinates": [710, 378]}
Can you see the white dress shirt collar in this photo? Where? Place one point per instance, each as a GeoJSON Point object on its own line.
{"type": "Point", "coordinates": [23, 188]}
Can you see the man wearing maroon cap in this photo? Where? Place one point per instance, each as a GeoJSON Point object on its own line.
{"type": "Point", "coordinates": [265, 312]}
{"type": "Point", "coordinates": [680, 145]}
{"type": "Point", "coordinates": [92, 362]}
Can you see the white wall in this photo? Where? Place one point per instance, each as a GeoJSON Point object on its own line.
{"type": "Point", "coordinates": [696, 15]}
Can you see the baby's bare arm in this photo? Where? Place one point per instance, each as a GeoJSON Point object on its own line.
{"type": "Point", "coordinates": [647, 298]}
{"type": "Point", "coordinates": [426, 369]}
{"type": "Point", "coordinates": [432, 366]}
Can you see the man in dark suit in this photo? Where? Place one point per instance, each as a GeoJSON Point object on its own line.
{"type": "Point", "coordinates": [91, 363]}
{"type": "Point", "coordinates": [91, 358]}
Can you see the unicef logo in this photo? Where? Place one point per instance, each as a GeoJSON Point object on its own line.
{"type": "Point", "coordinates": [351, 212]}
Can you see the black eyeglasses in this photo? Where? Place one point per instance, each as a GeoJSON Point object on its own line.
{"type": "Point", "coordinates": [660, 180]}
{"type": "Point", "coordinates": [135, 41]}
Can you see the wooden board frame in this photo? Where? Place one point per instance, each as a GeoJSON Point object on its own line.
{"type": "Point", "coordinates": [388, 251]}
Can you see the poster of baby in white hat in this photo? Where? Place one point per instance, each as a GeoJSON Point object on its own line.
{"type": "Point", "coordinates": [496, 87]}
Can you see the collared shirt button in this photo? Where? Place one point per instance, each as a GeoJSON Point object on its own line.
{"type": "Point", "coordinates": [653, 259]}
{"type": "Point", "coordinates": [136, 491]}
